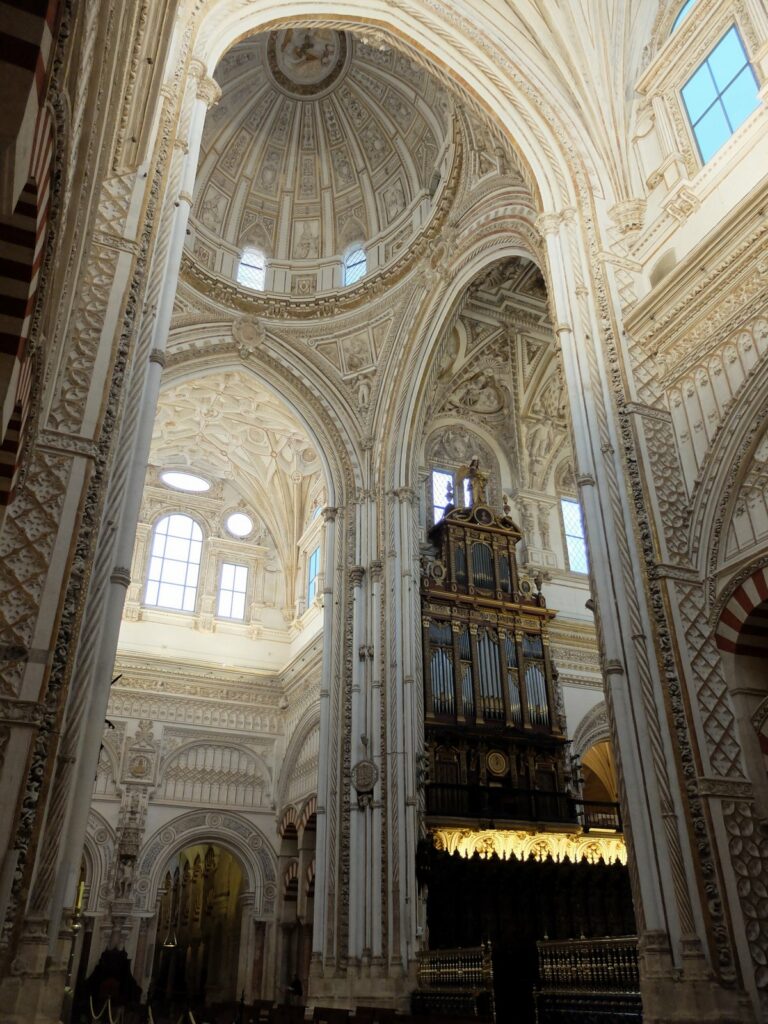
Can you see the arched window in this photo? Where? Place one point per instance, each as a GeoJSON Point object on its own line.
{"type": "Point", "coordinates": [174, 563]}
{"type": "Point", "coordinates": [355, 265]}
{"type": "Point", "coordinates": [681, 14]}
{"type": "Point", "coordinates": [252, 269]}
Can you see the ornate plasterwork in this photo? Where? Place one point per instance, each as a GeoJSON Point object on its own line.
{"type": "Point", "coordinates": [29, 533]}
{"type": "Point", "coordinates": [593, 728]}
{"type": "Point", "coordinates": [227, 829]}
{"type": "Point", "coordinates": [559, 846]}
{"type": "Point", "coordinates": [355, 141]}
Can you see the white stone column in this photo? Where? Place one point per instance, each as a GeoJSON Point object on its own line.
{"type": "Point", "coordinates": [357, 838]}
{"type": "Point", "coordinates": [87, 705]}
{"type": "Point", "coordinates": [331, 594]}
{"type": "Point", "coordinates": [374, 938]}
{"type": "Point", "coordinates": [246, 948]}
{"type": "Point", "coordinates": [404, 735]}
{"type": "Point", "coordinates": [669, 916]}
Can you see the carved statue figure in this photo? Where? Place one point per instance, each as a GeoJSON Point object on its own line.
{"type": "Point", "coordinates": [477, 481]}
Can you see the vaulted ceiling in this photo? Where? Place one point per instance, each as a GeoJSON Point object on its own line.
{"type": "Point", "coordinates": [319, 140]}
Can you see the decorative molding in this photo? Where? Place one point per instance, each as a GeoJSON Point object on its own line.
{"type": "Point", "coordinates": [21, 712]}
{"type": "Point", "coordinates": [559, 846]}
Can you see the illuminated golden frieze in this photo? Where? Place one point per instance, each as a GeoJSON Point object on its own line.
{"type": "Point", "coordinates": [560, 846]}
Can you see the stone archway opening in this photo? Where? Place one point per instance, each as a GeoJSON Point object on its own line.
{"type": "Point", "coordinates": [742, 638]}
{"type": "Point", "coordinates": [197, 952]}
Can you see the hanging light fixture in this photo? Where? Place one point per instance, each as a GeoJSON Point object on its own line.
{"type": "Point", "coordinates": [170, 941]}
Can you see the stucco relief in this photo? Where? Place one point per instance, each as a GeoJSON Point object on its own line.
{"type": "Point", "coordinates": [29, 533]}
{"type": "Point", "coordinates": [749, 527]}
{"type": "Point", "coordinates": [89, 322]}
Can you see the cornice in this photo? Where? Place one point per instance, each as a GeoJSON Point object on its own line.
{"type": "Point", "coordinates": [159, 676]}
{"type": "Point", "coordinates": [664, 315]}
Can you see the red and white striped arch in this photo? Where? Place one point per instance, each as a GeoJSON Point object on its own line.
{"type": "Point", "coordinates": [27, 28]}
{"type": "Point", "coordinates": [743, 624]}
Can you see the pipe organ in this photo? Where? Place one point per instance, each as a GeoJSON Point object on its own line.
{"type": "Point", "coordinates": [493, 732]}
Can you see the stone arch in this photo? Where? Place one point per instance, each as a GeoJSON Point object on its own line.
{"type": "Point", "coordinates": [290, 880]}
{"type": "Point", "coordinates": [720, 477]}
{"type": "Point", "coordinates": [307, 725]}
{"type": "Point", "coordinates": [518, 90]}
{"type": "Point", "coordinates": [739, 611]}
{"type": "Point", "coordinates": [593, 728]}
{"type": "Point", "coordinates": [308, 811]}
{"type": "Point", "coordinates": [741, 635]}
{"type": "Point", "coordinates": [418, 365]}
{"type": "Point", "coordinates": [301, 389]}
{"type": "Point", "coordinates": [237, 834]}
{"type": "Point", "coordinates": [99, 852]}
{"type": "Point", "coordinates": [289, 822]}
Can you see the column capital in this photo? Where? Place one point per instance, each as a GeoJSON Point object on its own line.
{"type": "Point", "coordinates": [548, 223]}
{"type": "Point", "coordinates": [208, 91]}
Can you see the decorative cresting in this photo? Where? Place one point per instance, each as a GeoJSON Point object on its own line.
{"type": "Point", "coordinates": [319, 142]}
{"type": "Point", "coordinates": [505, 845]}
{"type": "Point", "coordinates": [742, 629]}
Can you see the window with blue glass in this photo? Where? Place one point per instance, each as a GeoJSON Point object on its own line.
{"type": "Point", "coordinates": [575, 541]}
{"type": "Point", "coordinates": [355, 265]}
{"type": "Point", "coordinates": [682, 14]}
{"type": "Point", "coordinates": [721, 94]}
{"type": "Point", "coordinates": [313, 567]}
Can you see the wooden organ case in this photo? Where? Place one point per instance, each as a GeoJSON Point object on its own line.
{"type": "Point", "coordinates": [494, 742]}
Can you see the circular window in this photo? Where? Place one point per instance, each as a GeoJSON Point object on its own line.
{"type": "Point", "coordinates": [239, 524]}
{"type": "Point", "coordinates": [185, 481]}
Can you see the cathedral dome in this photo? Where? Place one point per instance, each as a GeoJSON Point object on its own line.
{"type": "Point", "coordinates": [320, 143]}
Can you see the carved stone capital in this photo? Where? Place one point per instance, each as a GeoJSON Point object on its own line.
{"type": "Point", "coordinates": [356, 574]}
{"type": "Point", "coordinates": [548, 223]}
{"type": "Point", "coordinates": [157, 355]}
{"type": "Point", "coordinates": [208, 91]}
{"type": "Point", "coordinates": [197, 68]}
{"type": "Point", "coordinates": [628, 215]}
{"type": "Point", "coordinates": [121, 576]}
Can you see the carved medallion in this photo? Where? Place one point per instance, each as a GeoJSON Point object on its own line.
{"type": "Point", "coordinates": [497, 763]}
{"type": "Point", "coordinates": [306, 61]}
{"type": "Point", "coordinates": [365, 775]}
